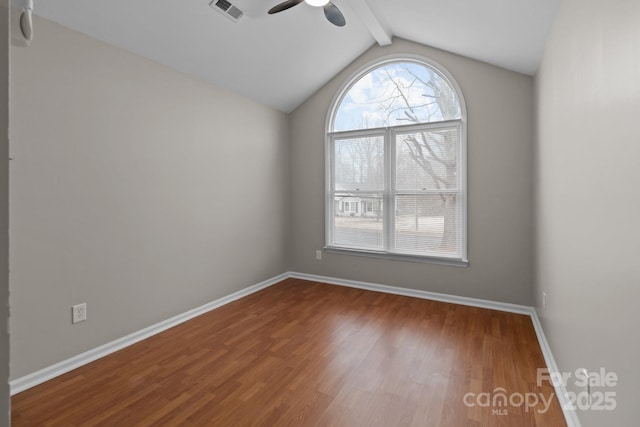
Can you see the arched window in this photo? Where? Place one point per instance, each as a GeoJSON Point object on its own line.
{"type": "Point", "coordinates": [396, 164]}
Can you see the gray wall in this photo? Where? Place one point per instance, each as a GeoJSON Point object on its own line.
{"type": "Point", "coordinates": [500, 143]}
{"type": "Point", "coordinates": [588, 203]}
{"type": "Point", "coordinates": [135, 189]}
{"type": "Point", "coordinates": [4, 213]}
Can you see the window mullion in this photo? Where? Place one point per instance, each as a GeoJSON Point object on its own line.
{"type": "Point", "coordinates": [389, 193]}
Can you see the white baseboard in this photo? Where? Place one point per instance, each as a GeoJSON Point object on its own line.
{"type": "Point", "coordinates": [453, 299]}
{"type": "Point", "coordinates": [570, 416]}
{"type": "Point", "coordinates": [38, 377]}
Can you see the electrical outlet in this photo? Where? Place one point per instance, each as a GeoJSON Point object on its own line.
{"type": "Point", "coordinates": [79, 313]}
{"type": "Point", "coordinates": [544, 300]}
{"type": "Point", "coordinates": [587, 387]}
{"type": "Point", "coordinates": [319, 255]}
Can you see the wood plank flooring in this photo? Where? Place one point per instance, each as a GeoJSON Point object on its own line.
{"type": "Point", "coordinates": [310, 354]}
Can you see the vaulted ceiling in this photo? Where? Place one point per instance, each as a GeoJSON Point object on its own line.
{"type": "Point", "coordinates": [280, 60]}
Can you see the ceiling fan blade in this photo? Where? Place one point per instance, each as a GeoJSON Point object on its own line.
{"type": "Point", "coordinates": [284, 6]}
{"type": "Point", "coordinates": [334, 15]}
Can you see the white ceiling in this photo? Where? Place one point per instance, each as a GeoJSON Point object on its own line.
{"type": "Point", "coordinates": [280, 60]}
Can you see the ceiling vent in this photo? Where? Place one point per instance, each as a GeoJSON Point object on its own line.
{"type": "Point", "coordinates": [227, 9]}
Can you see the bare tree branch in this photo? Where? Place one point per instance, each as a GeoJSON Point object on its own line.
{"type": "Point", "coordinates": [400, 90]}
{"type": "Point", "coordinates": [413, 139]}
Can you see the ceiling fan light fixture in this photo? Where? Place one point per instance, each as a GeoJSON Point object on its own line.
{"type": "Point", "coordinates": [316, 3]}
{"type": "Point", "coordinates": [331, 11]}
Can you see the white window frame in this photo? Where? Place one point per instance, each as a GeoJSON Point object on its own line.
{"type": "Point", "coordinates": [389, 192]}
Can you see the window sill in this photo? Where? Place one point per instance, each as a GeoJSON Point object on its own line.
{"type": "Point", "coordinates": [399, 257]}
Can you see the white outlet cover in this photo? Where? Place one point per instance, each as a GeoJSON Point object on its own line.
{"type": "Point", "coordinates": [79, 313]}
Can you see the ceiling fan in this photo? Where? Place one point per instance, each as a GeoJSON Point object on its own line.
{"type": "Point", "coordinates": [331, 11]}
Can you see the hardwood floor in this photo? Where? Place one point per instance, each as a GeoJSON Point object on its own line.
{"type": "Point", "coordinates": [309, 354]}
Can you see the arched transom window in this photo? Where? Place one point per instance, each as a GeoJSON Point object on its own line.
{"type": "Point", "coordinates": [396, 164]}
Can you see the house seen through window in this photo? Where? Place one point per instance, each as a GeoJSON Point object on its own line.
{"type": "Point", "coordinates": [396, 164]}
